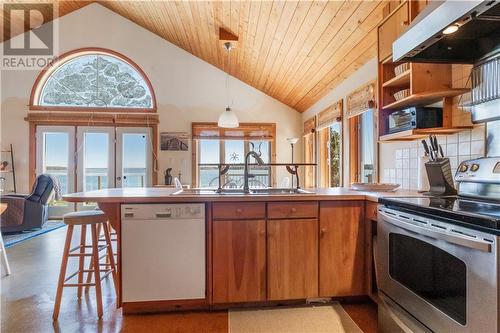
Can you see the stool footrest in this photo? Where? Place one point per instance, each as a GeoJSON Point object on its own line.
{"type": "Point", "coordinates": [83, 284]}
{"type": "Point", "coordinates": [105, 273]}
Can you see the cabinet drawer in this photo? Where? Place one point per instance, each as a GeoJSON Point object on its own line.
{"type": "Point", "coordinates": [286, 210]}
{"type": "Point", "coordinates": [239, 210]}
{"type": "Point", "coordinates": [371, 211]}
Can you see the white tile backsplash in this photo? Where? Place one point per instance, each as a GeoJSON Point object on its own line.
{"type": "Point", "coordinates": [402, 166]}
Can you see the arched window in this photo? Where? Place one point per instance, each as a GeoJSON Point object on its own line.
{"type": "Point", "coordinates": [93, 79]}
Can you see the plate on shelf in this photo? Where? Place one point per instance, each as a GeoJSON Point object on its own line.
{"type": "Point", "coordinates": [375, 187]}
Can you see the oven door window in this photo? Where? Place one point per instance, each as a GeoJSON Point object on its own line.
{"type": "Point", "coordinates": [431, 273]}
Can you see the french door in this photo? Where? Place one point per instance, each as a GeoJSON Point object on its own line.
{"type": "Point", "coordinates": [133, 157]}
{"type": "Point", "coordinates": [88, 158]}
{"type": "Point", "coordinates": [95, 156]}
{"type": "Point", "coordinates": [55, 154]}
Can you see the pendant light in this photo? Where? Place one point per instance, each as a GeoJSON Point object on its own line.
{"type": "Point", "coordinates": [228, 118]}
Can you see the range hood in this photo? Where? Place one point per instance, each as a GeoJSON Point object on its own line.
{"type": "Point", "coordinates": [478, 33]}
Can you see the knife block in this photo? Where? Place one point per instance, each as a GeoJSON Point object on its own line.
{"type": "Point", "coordinates": [440, 178]}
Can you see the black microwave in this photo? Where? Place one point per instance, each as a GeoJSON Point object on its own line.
{"type": "Point", "coordinates": [415, 117]}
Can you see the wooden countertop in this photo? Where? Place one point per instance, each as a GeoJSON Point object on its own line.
{"type": "Point", "coordinates": [158, 195]}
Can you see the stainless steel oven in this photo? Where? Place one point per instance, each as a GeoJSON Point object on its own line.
{"type": "Point", "coordinates": [436, 276]}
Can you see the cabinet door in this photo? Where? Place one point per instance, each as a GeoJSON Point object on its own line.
{"type": "Point", "coordinates": [239, 261]}
{"type": "Point", "coordinates": [341, 248]}
{"type": "Point", "coordinates": [390, 30]}
{"type": "Point", "coordinates": [292, 259]}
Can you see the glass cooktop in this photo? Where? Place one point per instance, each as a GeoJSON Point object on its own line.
{"type": "Point", "coordinates": [464, 210]}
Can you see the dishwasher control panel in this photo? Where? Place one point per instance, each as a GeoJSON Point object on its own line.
{"type": "Point", "coordinates": [162, 211]}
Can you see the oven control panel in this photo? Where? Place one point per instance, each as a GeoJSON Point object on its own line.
{"type": "Point", "coordinates": [479, 178]}
{"type": "Point", "coordinates": [483, 169]}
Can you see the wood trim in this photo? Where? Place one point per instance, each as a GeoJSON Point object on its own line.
{"type": "Point", "coordinates": [54, 65]}
{"type": "Point", "coordinates": [89, 118]}
{"type": "Point", "coordinates": [163, 306]}
{"type": "Point", "coordinates": [354, 150]}
{"type": "Point", "coordinates": [209, 253]}
{"type": "Point", "coordinates": [32, 153]}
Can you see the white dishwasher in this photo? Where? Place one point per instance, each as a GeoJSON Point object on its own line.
{"type": "Point", "coordinates": [163, 252]}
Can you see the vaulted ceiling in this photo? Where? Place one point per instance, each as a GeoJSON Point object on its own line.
{"type": "Point", "coordinates": [294, 51]}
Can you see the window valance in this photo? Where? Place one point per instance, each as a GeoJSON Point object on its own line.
{"type": "Point", "coordinates": [361, 100]}
{"type": "Point", "coordinates": [330, 115]}
{"type": "Point", "coordinates": [246, 131]}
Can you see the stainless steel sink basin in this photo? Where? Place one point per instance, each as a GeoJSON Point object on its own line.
{"type": "Point", "coordinates": [279, 191]}
{"type": "Point", "coordinates": [255, 191]}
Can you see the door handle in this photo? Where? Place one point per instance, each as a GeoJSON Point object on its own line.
{"type": "Point", "coordinates": [118, 178]}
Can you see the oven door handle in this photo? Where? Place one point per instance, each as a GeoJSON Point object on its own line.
{"type": "Point", "coordinates": [454, 239]}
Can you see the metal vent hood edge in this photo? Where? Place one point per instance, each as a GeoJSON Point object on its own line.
{"type": "Point", "coordinates": [423, 40]}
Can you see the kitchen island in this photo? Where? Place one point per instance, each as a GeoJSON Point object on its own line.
{"type": "Point", "coordinates": [259, 249]}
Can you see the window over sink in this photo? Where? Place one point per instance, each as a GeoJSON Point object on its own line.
{"type": "Point", "coordinates": [214, 145]}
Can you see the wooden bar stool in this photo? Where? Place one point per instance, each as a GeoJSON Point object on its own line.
{"type": "Point", "coordinates": [102, 239]}
{"type": "Point", "coordinates": [93, 219]}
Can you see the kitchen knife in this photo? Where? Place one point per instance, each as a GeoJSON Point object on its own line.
{"type": "Point", "coordinates": [436, 144]}
{"type": "Point", "coordinates": [428, 151]}
{"type": "Point", "coordinates": [441, 151]}
{"type": "Point", "coordinates": [426, 147]}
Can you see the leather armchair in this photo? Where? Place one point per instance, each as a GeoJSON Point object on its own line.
{"type": "Point", "coordinates": [26, 212]}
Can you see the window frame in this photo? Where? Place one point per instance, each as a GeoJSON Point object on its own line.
{"type": "Point", "coordinates": [46, 73]}
{"type": "Point", "coordinates": [246, 127]}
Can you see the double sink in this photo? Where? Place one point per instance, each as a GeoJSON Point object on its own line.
{"type": "Point", "coordinates": [254, 191]}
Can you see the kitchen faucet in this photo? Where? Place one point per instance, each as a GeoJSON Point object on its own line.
{"type": "Point", "coordinates": [246, 175]}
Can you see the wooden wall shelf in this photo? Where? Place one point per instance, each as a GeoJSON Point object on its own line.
{"type": "Point", "coordinates": [419, 133]}
{"type": "Point", "coordinates": [398, 81]}
{"type": "Point", "coordinates": [425, 98]}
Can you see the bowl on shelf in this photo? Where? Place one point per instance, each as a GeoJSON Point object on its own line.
{"type": "Point", "coordinates": [375, 187]}
{"type": "Point", "coordinates": [399, 95]}
{"type": "Point", "coordinates": [400, 69]}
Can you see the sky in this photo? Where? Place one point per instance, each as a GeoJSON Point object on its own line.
{"type": "Point", "coordinates": [96, 150]}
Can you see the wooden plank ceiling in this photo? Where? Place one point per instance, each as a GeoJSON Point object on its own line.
{"type": "Point", "coordinates": [294, 51]}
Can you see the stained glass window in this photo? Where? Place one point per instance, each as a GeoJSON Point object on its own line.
{"type": "Point", "coordinates": [96, 80]}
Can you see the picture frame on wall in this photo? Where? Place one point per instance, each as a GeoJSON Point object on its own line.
{"type": "Point", "coordinates": [174, 141]}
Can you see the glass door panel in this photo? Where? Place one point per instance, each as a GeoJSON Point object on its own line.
{"type": "Point", "coordinates": [335, 154]}
{"type": "Point", "coordinates": [367, 147]}
{"type": "Point", "coordinates": [55, 156]}
{"type": "Point", "coordinates": [95, 152]}
{"type": "Point", "coordinates": [133, 157]}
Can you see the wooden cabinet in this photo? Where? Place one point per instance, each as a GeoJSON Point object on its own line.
{"type": "Point", "coordinates": [287, 210]}
{"type": "Point", "coordinates": [341, 248]}
{"type": "Point", "coordinates": [390, 29]}
{"type": "Point", "coordinates": [288, 250]}
{"type": "Point", "coordinates": [239, 261]}
{"type": "Point", "coordinates": [371, 210]}
{"type": "Point", "coordinates": [239, 210]}
{"type": "Point", "coordinates": [292, 259]}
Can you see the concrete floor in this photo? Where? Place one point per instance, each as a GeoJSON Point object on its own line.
{"type": "Point", "coordinates": [27, 299]}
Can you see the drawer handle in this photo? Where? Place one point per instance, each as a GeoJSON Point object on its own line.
{"type": "Point", "coordinates": [239, 211]}
{"type": "Point", "coordinates": [322, 232]}
{"type": "Point", "coordinates": [293, 210]}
